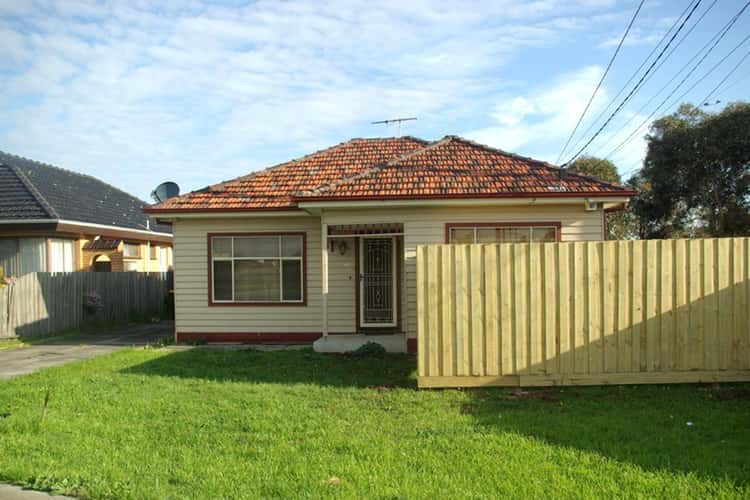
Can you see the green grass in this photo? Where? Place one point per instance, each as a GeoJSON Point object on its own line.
{"type": "Point", "coordinates": [203, 423]}
{"type": "Point", "coordinates": [10, 344]}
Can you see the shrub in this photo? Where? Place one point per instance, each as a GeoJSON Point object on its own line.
{"type": "Point", "coordinates": [370, 349]}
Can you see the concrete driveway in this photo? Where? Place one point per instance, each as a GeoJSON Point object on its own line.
{"type": "Point", "coordinates": [29, 359]}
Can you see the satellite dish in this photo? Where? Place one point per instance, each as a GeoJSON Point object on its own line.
{"type": "Point", "coordinates": [164, 191]}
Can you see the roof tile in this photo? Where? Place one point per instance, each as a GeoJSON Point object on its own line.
{"type": "Point", "coordinates": [385, 168]}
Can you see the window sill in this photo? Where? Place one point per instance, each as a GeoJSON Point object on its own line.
{"type": "Point", "coordinates": [257, 304]}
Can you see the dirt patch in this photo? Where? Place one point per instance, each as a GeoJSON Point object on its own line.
{"type": "Point", "coordinates": [726, 393]}
{"type": "Point", "coordinates": [516, 394]}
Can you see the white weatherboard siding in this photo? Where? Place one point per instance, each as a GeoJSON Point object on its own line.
{"type": "Point", "coordinates": [422, 225]}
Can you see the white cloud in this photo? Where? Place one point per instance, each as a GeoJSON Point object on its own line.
{"type": "Point", "coordinates": [539, 123]}
{"type": "Point", "coordinates": [136, 93]}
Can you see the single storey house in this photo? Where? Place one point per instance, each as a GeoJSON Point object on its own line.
{"type": "Point", "coordinates": [56, 220]}
{"type": "Point", "coordinates": [322, 248]}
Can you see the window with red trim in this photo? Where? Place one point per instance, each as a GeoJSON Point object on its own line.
{"type": "Point", "coordinates": [501, 234]}
{"type": "Point", "coordinates": [257, 269]}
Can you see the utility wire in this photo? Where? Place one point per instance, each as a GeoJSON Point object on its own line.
{"type": "Point", "coordinates": [719, 34]}
{"type": "Point", "coordinates": [635, 89]}
{"type": "Point", "coordinates": [632, 77]}
{"type": "Point", "coordinates": [705, 75]}
{"type": "Point", "coordinates": [736, 82]}
{"type": "Point", "coordinates": [726, 77]}
{"type": "Point", "coordinates": [598, 85]}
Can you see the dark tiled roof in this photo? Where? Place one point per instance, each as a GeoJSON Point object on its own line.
{"type": "Point", "coordinates": [17, 198]}
{"type": "Point", "coordinates": [390, 168]}
{"type": "Point", "coordinates": [62, 194]}
{"type": "Point", "coordinates": [102, 244]}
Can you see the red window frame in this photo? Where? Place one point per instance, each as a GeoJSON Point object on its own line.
{"type": "Point", "coordinates": [210, 236]}
{"type": "Point", "coordinates": [451, 225]}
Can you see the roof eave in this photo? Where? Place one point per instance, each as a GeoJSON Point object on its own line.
{"type": "Point", "coordinates": [64, 225]}
{"type": "Point", "coordinates": [204, 213]}
{"type": "Point", "coordinates": [607, 200]}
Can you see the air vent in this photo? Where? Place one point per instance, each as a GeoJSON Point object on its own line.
{"type": "Point", "coordinates": [592, 206]}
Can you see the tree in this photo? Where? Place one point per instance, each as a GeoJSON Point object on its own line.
{"type": "Point", "coordinates": [695, 179]}
{"type": "Point", "coordinates": [619, 223]}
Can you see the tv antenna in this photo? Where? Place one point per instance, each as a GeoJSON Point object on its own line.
{"type": "Point", "coordinates": [394, 120]}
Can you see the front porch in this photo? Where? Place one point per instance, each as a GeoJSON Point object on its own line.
{"type": "Point", "coordinates": [362, 287]}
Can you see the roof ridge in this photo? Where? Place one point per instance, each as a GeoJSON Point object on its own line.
{"type": "Point", "coordinates": [33, 191]}
{"type": "Point", "coordinates": [72, 172]}
{"type": "Point", "coordinates": [432, 145]}
{"type": "Point", "coordinates": [213, 187]}
{"type": "Point", "coordinates": [371, 170]}
{"type": "Point", "coordinates": [543, 163]}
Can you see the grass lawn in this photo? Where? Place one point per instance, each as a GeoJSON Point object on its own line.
{"type": "Point", "coordinates": [10, 344]}
{"type": "Point", "coordinates": [202, 423]}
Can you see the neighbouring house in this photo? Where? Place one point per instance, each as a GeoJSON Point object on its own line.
{"type": "Point", "coordinates": [56, 220]}
{"type": "Point", "coordinates": [322, 248]}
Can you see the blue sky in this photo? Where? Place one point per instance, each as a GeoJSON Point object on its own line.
{"type": "Point", "coordinates": [141, 92]}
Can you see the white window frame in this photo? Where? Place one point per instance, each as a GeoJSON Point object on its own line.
{"type": "Point", "coordinates": [138, 247]}
{"type": "Point", "coordinates": [280, 258]}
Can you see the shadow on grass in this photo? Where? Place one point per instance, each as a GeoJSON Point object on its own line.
{"type": "Point", "coordinates": [683, 429]}
{"type": "Point", "coordinates": [283, 367]}
{"type": "Point", "coordinates": [642, 425]}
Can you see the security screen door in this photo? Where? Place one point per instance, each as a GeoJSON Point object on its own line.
{"type": "Point", "coordinates": [378, 282]}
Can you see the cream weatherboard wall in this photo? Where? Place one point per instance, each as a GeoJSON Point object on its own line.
{"type": "Point", "coordinates": [422, 225]}
{"type": "Point", "coordinates": [192, 312]}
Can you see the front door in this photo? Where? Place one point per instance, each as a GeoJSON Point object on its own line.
{"type": "Point", "coordinates": [377, 282]}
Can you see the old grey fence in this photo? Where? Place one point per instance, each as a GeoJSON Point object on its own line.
{"type": "Point", "coordinates": [44, 303]}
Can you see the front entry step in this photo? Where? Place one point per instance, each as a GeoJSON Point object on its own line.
{"type": "Point", "coordinates": [346, 343]}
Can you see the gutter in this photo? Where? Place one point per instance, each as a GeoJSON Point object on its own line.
{"type": "Point", "coordinates": [85, 225]}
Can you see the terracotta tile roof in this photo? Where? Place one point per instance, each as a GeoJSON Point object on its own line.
{"type": "Point", "coordinates": [457, 168]}
{"type": "Point", "coordinates": [394, 168]}
{"type": "Point", "coordinates": [275, 187]}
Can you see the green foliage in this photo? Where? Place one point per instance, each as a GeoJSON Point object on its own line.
{"type": "Point", "coordinates": [199, 341]}
{"type": "Point", "coordinates": [369, 349]}
{"type": "Point", "coordinates": [204, 423]}
{"type": "Point", "coordinates": [599, 168]}
{"type": "Point", "coordinates": [695, 181]}
{"type": "Point", "coordinates": [620, 224]}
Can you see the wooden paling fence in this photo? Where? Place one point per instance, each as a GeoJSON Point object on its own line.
{"type": "Point", "coordinates": [614, 312]}
{"type": "Point", "coordinates": [45, 303]}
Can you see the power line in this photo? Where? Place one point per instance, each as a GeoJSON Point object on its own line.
{"type": "Point", "coordinates": [598, 85]}
{"type": "Point", "coordinates": [726, 77]}
{"type": "Point", "coordinates": [637, 86]}
{"type": "Point", "coordinates": [718, 36]}
{"type": "Point", "coordinates": [705, 75]}
{"type": "Point", "coordinates": [635, 73]}
{"type": "Point", "coordinates": [737, 81]}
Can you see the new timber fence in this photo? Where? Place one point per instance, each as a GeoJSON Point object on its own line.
{"type": "Point", "coordinates": [45, 303]}
{"type": "Point", "coordinates": [614, 312]}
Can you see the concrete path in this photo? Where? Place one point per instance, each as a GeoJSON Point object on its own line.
{"type": "Point", "coordinates": [8, 492]}
{"type": "Point", "coordinates": [29, 359]}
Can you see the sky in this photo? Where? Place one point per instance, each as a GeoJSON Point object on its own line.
{"type": "Point", "coordinates": [140, 92]}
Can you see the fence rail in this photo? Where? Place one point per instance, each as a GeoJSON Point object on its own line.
{"type": "Point", "coordinates": [584, 312]}
{"type": "Point", "coordinates": [44, 303]}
